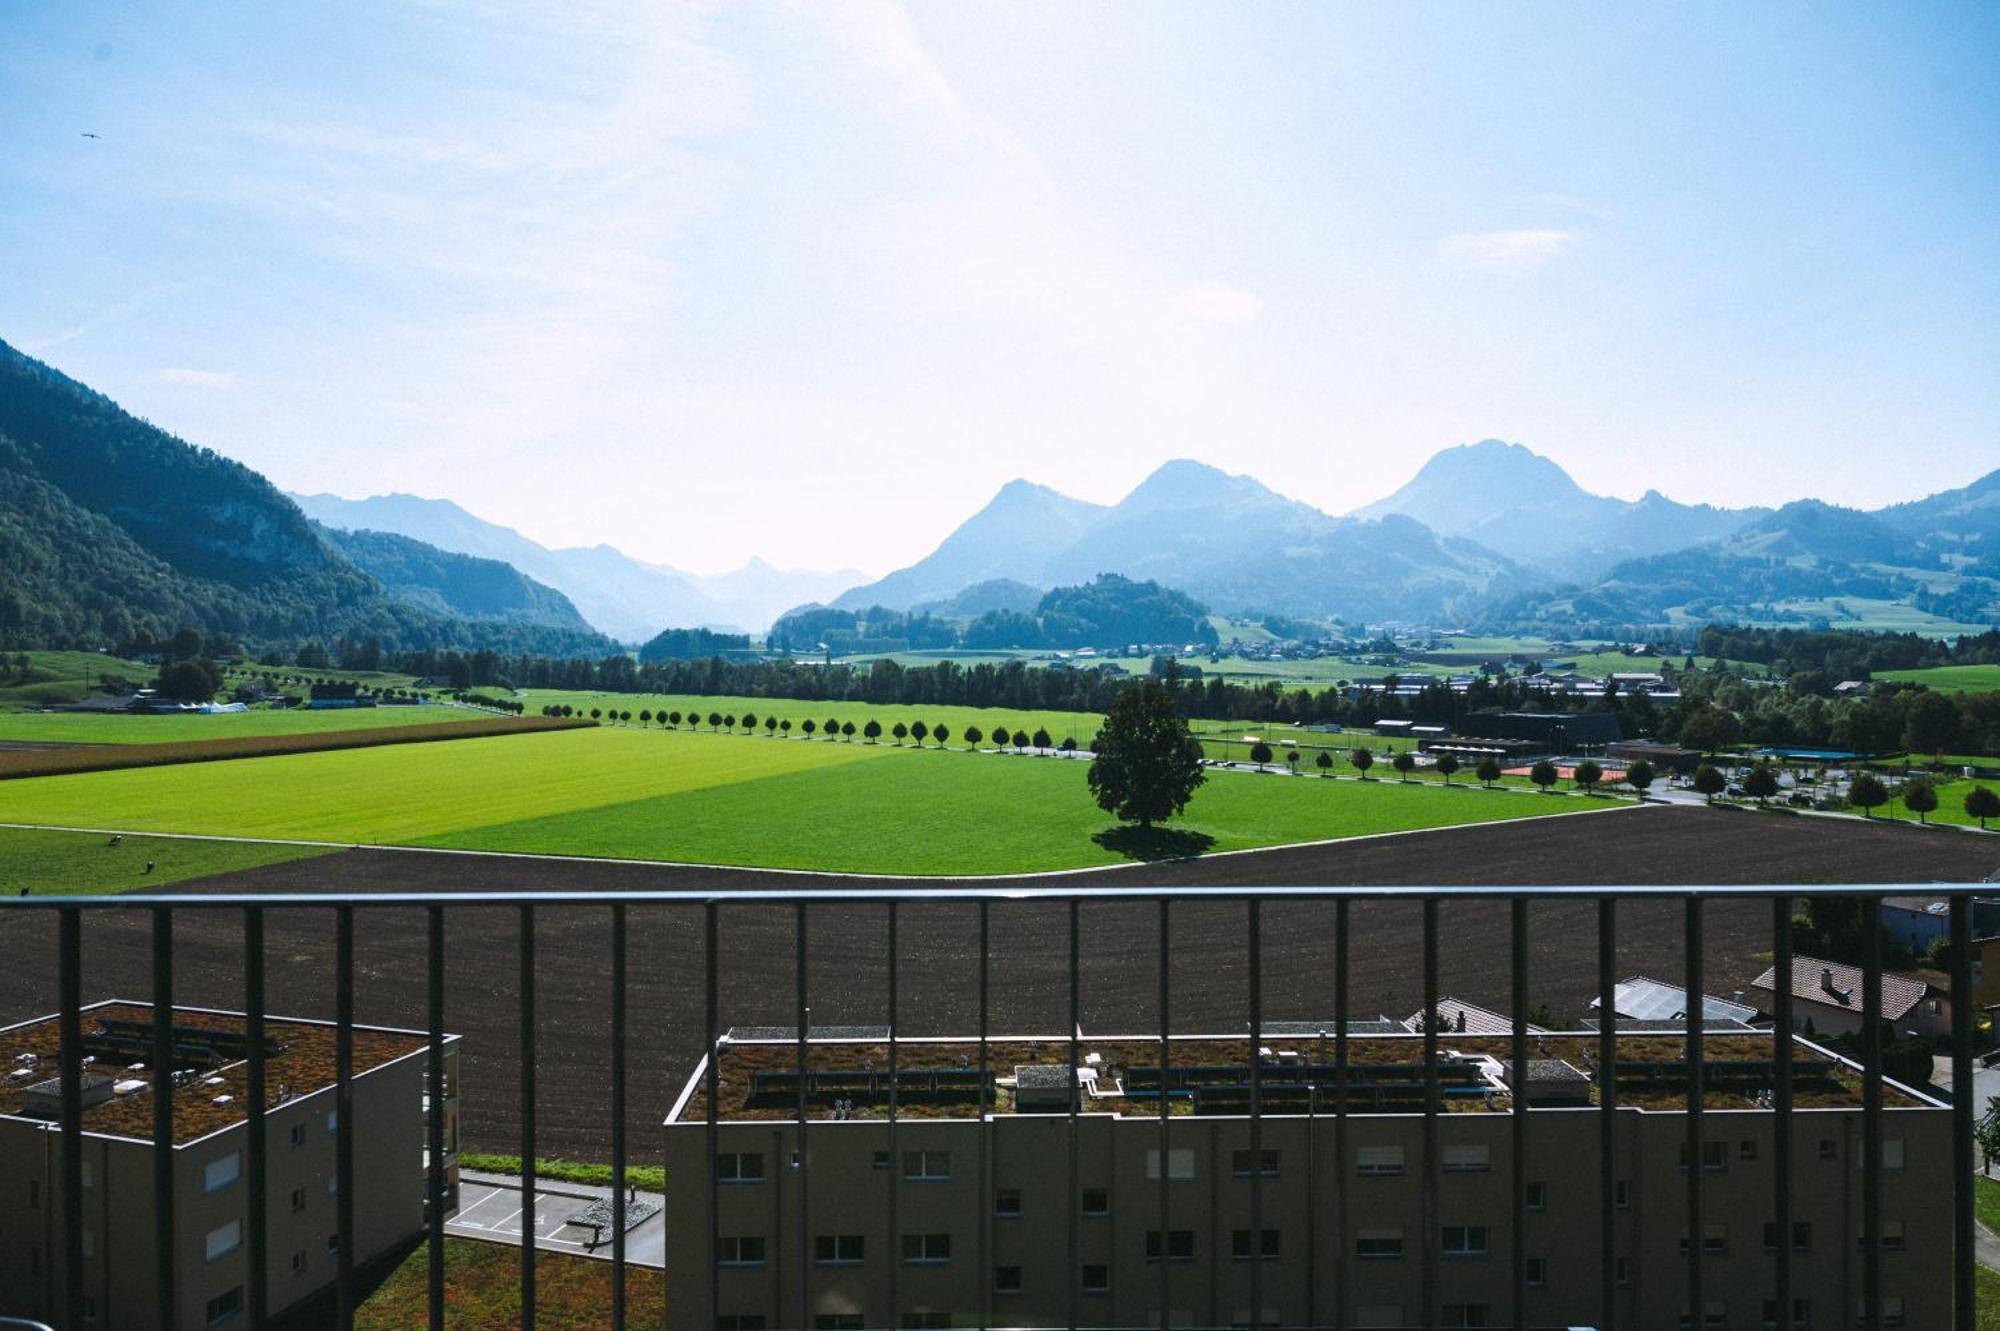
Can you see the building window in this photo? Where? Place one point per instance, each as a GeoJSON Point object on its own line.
{"type": "Point", "coordinates": [926, 1249]}
{"type": "Point", "coordinates": [333, 1245]}
{"type": "Point", "coordinates": [1538, 1272]}
{"type": "Point", "coordinates": [298, 1134]}
{"type": "Point", "coordinates": [1179, 1245]}
{"type": "Point", "coordinates": [1096, 1278]}
{"type": "Point", "coordinates": [739, 1167]}
{"type": "Point", "coordinates": [299, 1262]}
{"type": "Point", "coordinates": [1468, 1159]}
{"type": "Point", "coordinates": [1537, 1197]}
{"type": "Point", "coordinates": [223, 1240]}
{"type": "Point", "coordinates": [298, 1200]}
{"type": "Point", "coordinates": [1464, 1314]}
{"type": "Point", "coordinates": [1714, 1317]}
{"type": "Point", "coordinates": [1746, 1150]}
{"type": "Point", "coordinates": [1892, 1237]}
{"type": "Point", "coordinates": [1714, 1241]}
{"type": "Point", "coordinates": [1007, 1203]}
{"type": "Point", "coordinates": [1801, 1235]}
{"type": "Point", "coordinates": [1180, 1164]}
{"type": "Point", "coordinates": [740, 1250]}
{"type": "Point", "coordinates": [1622, 1270]}
{"type": "Point", "coordinates": [1096, 1202]}
{"type": "Point", "coordinates": [740, 1322]}
{"type": "Point", "coordinates": [225, 1306]}
{"type": "Point", "coordinates": [1239, 1163]}
{"type": "Point", "coordinates": [881, 1159]}
{"type": "Point", "coordinates": [926, 1166]}
{"type": "Point", "coordinates": [837, 1249]}
{"type": "Point", "coordinates": [1714, 1157]}
{"type": "Point", "coordinates": [1801, 1315]}
{"type": "Point", "coordinates": [1829, 1149]}
{"type": "Point", "coordinates": [1006, 1280]}
{"type": "Point", "coordinates": [1378, 1244]}
{"type": "Point", "coordinates": [1621, 1194]}
{"type": "Point", "coordinates": [1267, 1247]}
{"type": "Point", "coordinates": [1378, 1161]}
{"type": "Point", "coordinates": [926, 1321]}
{"type": "Point", "coordinates": [837, 1322]}
{"type": "Point", "coordinates": [1464, 1241]}
{"type": "Point", "coordinates": [221, 1172]}
{"type": "Point", "coordinates": [333, 1120]}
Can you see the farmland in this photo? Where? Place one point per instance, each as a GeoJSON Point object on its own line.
{"type": "Point", "coordinates": [178, 727]}
{"type": "Point", "coordinates": [1948, 679]}
{"type": "Point", "coordinates": [732, 799]}
{"type": "Point", "coordinates": [86, 864]}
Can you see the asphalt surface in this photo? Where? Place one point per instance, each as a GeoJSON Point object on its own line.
{"type": "Point", "coordinates": [846, 972]}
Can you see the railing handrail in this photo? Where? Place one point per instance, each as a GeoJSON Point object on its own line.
{"type": "Point", "coordinates": [950, 890]}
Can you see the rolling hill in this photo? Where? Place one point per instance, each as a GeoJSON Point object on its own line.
{"type": "Point", "coordinates": [452, 585]}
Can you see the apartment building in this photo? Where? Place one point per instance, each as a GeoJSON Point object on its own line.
{"type": "Point", "coordinates": [950, 1216]}
{"type": "Point", "coordinates": [210, 1148]}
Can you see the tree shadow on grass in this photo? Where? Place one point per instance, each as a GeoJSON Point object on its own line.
{"type": "Point", "coordinates": [1154, 843]}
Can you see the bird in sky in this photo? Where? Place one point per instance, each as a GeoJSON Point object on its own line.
{"type": "Point", "coordinates": [88, 135]}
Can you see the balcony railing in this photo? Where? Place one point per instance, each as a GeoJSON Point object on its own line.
{"type": "Point", "coordinates": [712, 908]}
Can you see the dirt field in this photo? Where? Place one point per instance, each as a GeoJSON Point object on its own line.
{"type": "Point", "coordinates": [938, 946]}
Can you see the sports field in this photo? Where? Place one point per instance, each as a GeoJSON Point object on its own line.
{"type": "Point", "coordinates": [176, 727]}
{"type": "Point", "coordinates": [733, 799]}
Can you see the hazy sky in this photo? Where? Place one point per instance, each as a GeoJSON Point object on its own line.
{"type": "Point", "coordinates": [813, 280]}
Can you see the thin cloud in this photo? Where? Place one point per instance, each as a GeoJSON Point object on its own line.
{"type": "Point", "coordinates": [199, 378]}
{"type": "Point", "coordinates": [1218, 302]}
{"type": "Point", "coordinates": [1505, 251]}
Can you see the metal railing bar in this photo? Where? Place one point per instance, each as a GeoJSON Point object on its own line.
{"type": "Point", "coordinates": [1341, 1163]}
{"type": "Point", "coordinates": [1433, 1094]}
{"type": "Point", "coordinates": [1964, 1293]}
{"type": "Point", "coordinates": [618, 1144]}
{"type": "Point", "coordinates": [529, 1173]}
{"type": "Point", "coordinates": [1781, 1122]}
{"type": "Point", "coordinates": [257, 1128]}
{"type": "Point", "coordinates": [343, 1170]}
{"type": "Point", "coordinates": [1519, 1123]}
{"type": "Point", "coordinates": [1075, 1275]}
{"type": "Point", "coordinates": [1871, 1113]}
{"type": "Point", "coordinates": [1255, 947]}
{"type": "Point", "coordinates": [969, 892]}
{"type": "Point", "coordinates": [1692, 1016]}
{"type": "Point", "coordinates": [985, 1121]}
{"type": "Point", "coordinates": [895, 1111]}
{"type": "Point", "coordinates": [802, 1166]}
{"type": "Point", "coordinates": [163, 1114]}
{"type": "Point", "coordinates": [711, 1113]}
{"type": "Point", "coordinates": [69, 984]}
{"type": "Point", "coordinates": [434, 1016]}
{"type": "Point", "coordinates": [1166, 986]}
{"type": "Point", "coordinates": [1607, 1108]}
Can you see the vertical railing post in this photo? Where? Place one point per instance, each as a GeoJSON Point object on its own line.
{"type": "Point", "coordinates": [985, 1122]}
{"type": "Point", "coordinates": [1607, 1110]}
{"type": "Point", "coordinates": [344, 1113]}
{"type": "Point", "coordinates": [1964, 1292]}
{"type": "Point", "coordinates": [895, 1180]}
{"type": "Point", "coordinates": [530, 1172]}
{"type": "Point", "coordinates": [1871, 1112]}
{"type": "Point", "coordinates": [1433, 1093]}
{"type": "Point", "coordinates": [619, 1164]}
{"type": "Point", "coordinates": [436, 1184]}
{"type": "Point", "coordinates": [1519, 1123]}
{"type": "Point", "coordinates": [801, 1167]}
{"type": "Point", "coordinates": [1781, 1102]}
{"type": "Point", "coordinates": [1693, 1024]}
{"type": "Point", "coordinates": [711, 1111]}
{"type": "Point", "coordinates": [256, 1132]}
{"type": "Point", "coordinates": [69, 1066]}
{"type": "Point", "coordinates": [1166, 1267]}
{"type": "Point", "coordinates": [1256, 952]}
{"type": "Point", "coordinates": [163, 1115]}
{"type": "Point", "coordinates": [1344, 1250]}
{"type": "Point", "coordinates": [1075, 1274]}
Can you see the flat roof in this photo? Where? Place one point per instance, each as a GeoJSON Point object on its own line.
{"type": "Point", "coordinates": [939, 1077]}
{"type": "Point", "coordinates": [214, 1076]}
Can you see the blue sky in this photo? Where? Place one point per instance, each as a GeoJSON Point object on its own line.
{"type": "Point", "coordinates": [812, 281]}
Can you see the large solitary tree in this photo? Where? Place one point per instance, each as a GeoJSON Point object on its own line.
{"type": "Point", "coordinates": [1147, 766]}
{"type": "Point", "coordinates": [1982, 803]}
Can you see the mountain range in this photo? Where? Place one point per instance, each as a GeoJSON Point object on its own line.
{"type": "Point", "coordinates": [110, 527]}
{"type": "Point", "coordinates": [627, 598]}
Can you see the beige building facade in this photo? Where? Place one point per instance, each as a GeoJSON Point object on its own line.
{"type": "Point", "coordinates": [211, 1165]}
{"type": "Point", "coordinates": [950, 1219]}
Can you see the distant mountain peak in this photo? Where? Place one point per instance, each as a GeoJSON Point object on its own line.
{"type": "Point", "coordinates": [1186, 483]}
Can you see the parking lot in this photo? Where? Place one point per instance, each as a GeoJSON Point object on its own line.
{"type": "Point", "coordinates": [491, 1209]}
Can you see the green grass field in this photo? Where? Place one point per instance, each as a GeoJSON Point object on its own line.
{"type": "Point", "coordinates": [1949, 679]}
{"type": "Point", "coordinates": [1079, 725]}
{"type": "Point", "coordinates": [1951, 805]}
{"type": "Point", "coordinates": [84, 863]}
{"type": "Point", "coordinates": [177, 727]}
{"type": "Point", "coordinates": [647, 794]}
{"type": "Point", "coordinates": [59, 677]}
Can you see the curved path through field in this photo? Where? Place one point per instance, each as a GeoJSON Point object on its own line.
{"type": "Point", "coordinates": [938, 945]}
